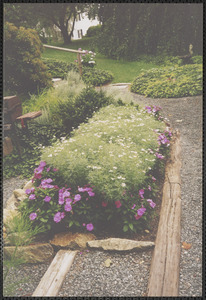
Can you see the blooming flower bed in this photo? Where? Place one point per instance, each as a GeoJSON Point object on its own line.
{"type": "Point", "coordinates": [103, 174]}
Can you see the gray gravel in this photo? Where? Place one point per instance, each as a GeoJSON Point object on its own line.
{"type": "Point", "coordinates": [128, 275]}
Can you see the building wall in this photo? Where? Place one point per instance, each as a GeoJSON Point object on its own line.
{"type": "Point", "coordinates": [81, 26]}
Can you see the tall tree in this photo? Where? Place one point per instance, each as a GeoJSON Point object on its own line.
{"type": "Point", "coordinates": [62, 15]}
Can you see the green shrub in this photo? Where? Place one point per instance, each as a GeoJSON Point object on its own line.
{"type": "Point", "coordinates": [106, 171]}
{"type": "Point", "coordinates": [93, 30]}
{"type": "Point", "coordinates": [24, 69]}
{"type": "Point", "coordinates": [197, 59]}
{"type": "Point", "coordinates": [170, 82]}
{"type": "Point", "coordinates": [77, 110]}
{"type": "Point", "coordinates": [96, 77]}
{"type": "Point", "coordinates": [59, 68]}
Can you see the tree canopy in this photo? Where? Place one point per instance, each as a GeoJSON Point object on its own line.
{"type": "Point", "coordinates": [130, 29]}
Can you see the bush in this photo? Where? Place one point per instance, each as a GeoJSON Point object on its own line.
{"type": "Point", "coordinates": [103, 175]}
{"type": "Point", "coordinates": [24, 69]}
{"type": "Point", "coordinates": [170, 82]}
{"type": "Point", "coordinates": [96, 77]}
{"type": "Point", "coordinates": [93, 30]}
{"type": "Point", "coordinates": [59, 68]}
{"type": "Point", "coordinates": [77, 110]}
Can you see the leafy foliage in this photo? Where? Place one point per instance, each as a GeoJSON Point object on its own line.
{"type": "Point", "coordinates": [93, 30]}
{"type": "Point", "coordinates": [178, 81]}
{"type": "Point", "coordinates": [96, 77]}
{"type": "Point", "coordinates": [24, 69]}
{"type": "Point", "coordinates": [115, 154]}
{"type": "Point", "coordinates": [59, 68]}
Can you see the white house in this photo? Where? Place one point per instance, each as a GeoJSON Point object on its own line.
{"type": "Point", "coordinates": [82, 24]}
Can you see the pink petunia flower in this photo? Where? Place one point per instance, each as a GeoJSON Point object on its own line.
{"type": "Point", "coordinates": [141, 193]}
{"type": "Point", "coordinates": [90, 227]}
{"type": "Point", "coordinates": [149, 188]}
{"type": "Point", "coordinates": [32, 216]}
{"type": "Point", "coordinates": [47, 199]}
{"type": "Point", "coordinates": [28, 191]}
{"type": "Point", "coordinates": [118, 204]}
{"type": "Point", "coordinates": [151, 203]}
{"type": "Point", "coordinates": [32, 197]}
{"type": "Point", "coordinates": [133, 206]}
{"type": "Point", "coordinates": [153, 178]}
{"type": "Point", "coordinates": [140, 213]}
{"type": "Point", "coordinates": [67, 207]}
{"type": "Point", "coordinates": [91, 194]}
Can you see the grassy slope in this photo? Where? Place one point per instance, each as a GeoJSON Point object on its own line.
{"type": "Point", "coordinates": [123, 71]}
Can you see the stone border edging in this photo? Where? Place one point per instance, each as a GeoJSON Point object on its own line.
{"type": "Point", "coordinates": [164, 271]}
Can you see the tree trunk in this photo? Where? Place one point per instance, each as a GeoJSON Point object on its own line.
{"type": "Point", "coordinates": [65, 35]}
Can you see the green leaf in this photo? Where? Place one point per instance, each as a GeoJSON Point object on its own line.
{"type": "Point", "coordinates": [125, 228]}
{"type": "Point", "coordinates": [131, 226]}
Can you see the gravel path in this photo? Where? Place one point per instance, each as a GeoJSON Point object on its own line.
{"type": "Point", "coordinates": [128, 274]}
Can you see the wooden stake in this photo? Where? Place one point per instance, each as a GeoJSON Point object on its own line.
{"type": "Point", "coordinates": [52, 280]}
{"type": "Point", "coordinates": [164, 272]}
{"type": "Point", "coordinates": [79, 63]}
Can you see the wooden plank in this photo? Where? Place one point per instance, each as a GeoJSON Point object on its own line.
{"type": "Point", "coordinates": [63, 49]}
{"type": "Point", "coordinates": [164, 272]}
{"type": "Point", "coordinates": [52, 280]}
{"type": "Point", "coordinates": [30, 115]}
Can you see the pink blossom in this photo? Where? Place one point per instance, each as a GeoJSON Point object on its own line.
{"type": "Point", "coordinates": [90, 227]}
{"type": "Point", "coordinates": [77, 197]}
{"type": "Point", "coordinates": [57, 217]}
{"type": "Point", "coordinates": [48, 169]}
{"type": "Point", "coordinates": [66, 194]}
{"type": "Point", "coordinates": [32, 216]}
{"type": "Point", "coordinates": [140, 213]}
{"type": "Point", "coordinates": [42, 164]}
{"type": "Point", "coordinates": [141, 193]}
{"type": "Point", "coordinates": [133, 206]}
{"type": "Point", "coordinates": [67, 207]}
{"type": "Point", "coordinates": [118, 204]}
{"type": "Point", "coordinates": [32, 197]}
{"type": "Point", "coordinates": [28, 191]}
{"type": "Point", "coordinates": [104, 204]}
{"type": "Point", "coordinates": [153, 178]}
{"type": "Point", "coordinates": [47, 199]}
{"type": "Point", "coordinates": [149, 188]}
{"type": "Point", "coordinates": [151, 203]}
{"type": "Point", "coordinates": [91, 194]}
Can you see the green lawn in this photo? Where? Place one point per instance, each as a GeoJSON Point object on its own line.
{"type": "Point", "coordinates": [123, 71]}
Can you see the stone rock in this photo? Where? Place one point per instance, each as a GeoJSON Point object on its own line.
{"type": "Point", "coordinates": [72, 241]}
{"type": "Point", "coordinates": [4, 235]}
{"type": "Point", "coordinates": [20, 194]}
{"type": "Point", "coordinates": [9, 214]}
{"type": "Point", "coordinates": [117, 244]}
{"type": "Point", "coordinates": [4, 229]}
{"type": "Point", "coordinates": [36, 253]}
{"type": "Point", "coordinates": [11, 203]}
{"type": "Point", "coordinates": [28, 185]}
{"type": "Point", "coordinates": [7, 146]}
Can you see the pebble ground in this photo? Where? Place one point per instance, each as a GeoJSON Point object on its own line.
{"type": "Point", "coordinates": [128, 274]}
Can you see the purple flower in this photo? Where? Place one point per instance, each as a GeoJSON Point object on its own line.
{"type": "Point", "coordinates": [32, 216]}
{"type": "Point", "coordinates": [66, 194]}
{"type": "Point", "coordinates": [55, 170]}
{"type": "Point", "coordinates": [141, 193]}
{"type": "Point", "coordinates": [47, 199]}
{"type": "Point", "coordinates": [151, 203]}
{"type": "Point", "coordinates": [133, 206]}
{"type": "Point", "coordinates": [68, 201]}
{"type": "Point", "coordinates": [32, 197]}
{"type": "Point", "coordinates": [149, 188]}
{"type": "Point", "coordinates": [140, 213]}
{"type": "Point", "coordinates": [90, 227]}
{"type": "Point", "coordinates": [158, 155]}
{"type": "Point", "coordinates": [32, 189]}
{"type": "Point", "coordinates": [62, 215]}
{"type": "Point", "coordinates": [57, 217]}
{"type": "Point", "coordinates": [67, 207]}
{"type": "Point", "coordinates": [153, 178]}
{"type": "Point", "coordinates": [91, 194]}
{"type": "Point", "coordinates": [77, 197]}
{"type": "Point", "coordinates": [81, 190]}
{"type": "Point", "coordinates": [83, 224]}
{"type": "Point", "coordinates": [48, 169]}
{"type": "Point", "coordinates": [42, 164]}
{"type": "Point", "coordinates": [148, 108]}
{"type": "Point", "coordinates": [45, 183]}
{"type": "Point", "coordinates": [28, 191]}
{"type": "Point", "coordinates": [118, 204]}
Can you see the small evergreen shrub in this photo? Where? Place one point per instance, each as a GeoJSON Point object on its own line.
{"type": "Point", "coordinates": [24, 68]}
{"type": "Point", "coordinates": [96, 77]}
{"type": "Point", "coordinates": [178, 81]}
{"type": "Point", "coordinates": [104, 175]}
{"type": "Point", "coordinates": [58, 68]}
{"type": "Point", "coordinates": [93, 30]}
{"type": "Point", "coordinates": [77, 110]}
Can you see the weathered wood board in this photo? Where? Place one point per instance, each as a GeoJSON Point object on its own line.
{"type": "Point", "coordinates": [52, 280]}
{"type": "Point", "coordinates": [164, 272]}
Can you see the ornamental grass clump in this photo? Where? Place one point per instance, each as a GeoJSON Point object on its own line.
{"type": "Point", "coordinates": [104, 175]}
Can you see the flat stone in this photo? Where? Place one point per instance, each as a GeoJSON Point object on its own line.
{"type": "Point", "coordinates": [36, 253]}
{"type": "Point", "coordinates": [11, 203]}
{"type": "Point", "coordinates": [28, 185]}
{"type": "Point", "coordinates": [117, 244]}
{"type": "Point", "coordinates": [72, 241]}
{"type": "Point", "coordinates": [20, 194]}
{"type": "Point", "coordinates": [9, 214]}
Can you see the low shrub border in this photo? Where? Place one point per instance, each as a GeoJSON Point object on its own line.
{"type": "Point", "coordinates": [177, 81]}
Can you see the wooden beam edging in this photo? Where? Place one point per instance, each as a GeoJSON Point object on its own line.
{"type": "Point", "coordinates": [52, 280]}
{"type": "Point", "coordinates": [164, 271]}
